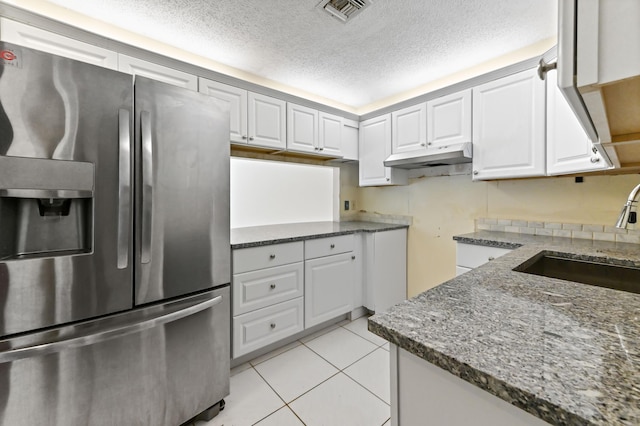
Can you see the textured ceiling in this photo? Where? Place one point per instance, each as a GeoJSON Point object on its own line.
{"type": "Point", "coordinates": [392, 47]}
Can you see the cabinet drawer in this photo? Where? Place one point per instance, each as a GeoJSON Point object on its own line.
{"type": "Point", "coordinates": [264, 287]}
{"type": "Point", "coordinates": [472, 256]}
{"type": "Point", "coordinates": [252, 258]}
{"type": "Point", "coordinates": [327, 246]}
{"type": "Point", "coordinates": [265, 326]}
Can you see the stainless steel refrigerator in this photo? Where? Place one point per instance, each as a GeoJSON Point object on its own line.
{"type": "Point", "coordinates": [114, 246]}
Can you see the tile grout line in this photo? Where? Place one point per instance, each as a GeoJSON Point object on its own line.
{"type": "Point", "coordinates": [339, 370]}
{"type": "Point", "coordinates": [359, 335]}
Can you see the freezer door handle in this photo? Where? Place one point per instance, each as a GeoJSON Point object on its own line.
{"type": "Point", "coordinates": [147, 186]}
{"type": "Point", "coordinates": [124, 187]}
{"type": "Point", "coordinates": [107, 334]}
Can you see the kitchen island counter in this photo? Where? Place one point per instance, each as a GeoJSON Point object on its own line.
{"type": "Point", "coordinates": [288, 232]}
{"type": "Point", "coordinates": [568, 353]}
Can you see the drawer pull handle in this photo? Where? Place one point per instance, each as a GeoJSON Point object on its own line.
{"type": "Point", "coordinates": [332, 246]}
{"type": "Point", "coordinates": [491, 258]}
{"type": "Point", "coordinates": [272, 256]}
{"type": "Point", "coordinates": [272, 286]}
{"type": "Point", "coordinates": [273, 325]}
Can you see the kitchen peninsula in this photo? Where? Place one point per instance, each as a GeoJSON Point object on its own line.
{"type": "Point", "coordinates": [564, 352]}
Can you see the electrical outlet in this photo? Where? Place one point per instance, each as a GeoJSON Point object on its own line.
{"type": "Point", "coordinates": [346, 205]}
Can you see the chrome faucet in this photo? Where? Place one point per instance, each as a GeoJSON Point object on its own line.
{"type": "Point", "coordinates": [626, 215]}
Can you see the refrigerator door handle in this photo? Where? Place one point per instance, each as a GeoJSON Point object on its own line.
{"type": "Point", "coordinates": [147, 186]}
{"type": "Point", "coordinates": [124, 187]}
{"type": "Point", "coordinates": [108, 334]}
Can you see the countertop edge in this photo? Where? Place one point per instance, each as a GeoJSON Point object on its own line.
{"type": "Point", "coordinates": [266, 242]}
{"type": "Point", "coordinates": [541, 408]}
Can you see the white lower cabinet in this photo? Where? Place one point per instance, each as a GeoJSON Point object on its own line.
{"type": "Point", "coordinates": [280, 290]}
{"type": "Point", "coordinates": [385, 269]}
{"type": "Point", "coordinates": [470, 256]}
{"type": "Point", "coordinates": [264, 326]}
{"type": "Point", "coordinates": [265, 287]}
{"type": "Point", "coordinates": [328, 287]}
{"type": "Point", "coordinates": [267, 295]}
{"type": "Point", "coordinates": [422, 393]}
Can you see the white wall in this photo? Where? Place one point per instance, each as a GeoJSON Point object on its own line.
{"type": "Point", "coordinates": [271, 192]}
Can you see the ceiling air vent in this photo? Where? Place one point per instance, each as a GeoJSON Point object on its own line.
{"type": "Point", "coordinates": [344, 10]}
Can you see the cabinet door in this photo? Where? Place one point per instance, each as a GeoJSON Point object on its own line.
{"type": "Point", "coordinates": [147, 69]}
{"type": "Point", "coordinates": [236, 99]}
{"type": "Point", "coordinates": [349, 140]}
{"type": "Point", "coordinates": [569, 149]}
{"type": "Point", "coordinates": [330, 134]}
{"type": "Point", "coordinates": [35, 38]}
{"type": "Point", "coordinates": [374, 148]}
{"type": "Point", "coordinates": [328, 288]}
{"type": "Point", "coordinates": [409, 127]}
{"type": "Point", "coordinates": [267, 121]}
{"type": "Point", "coordinates": [389, 269]}
{"type": "Point", "coordinates": [509, 127]}
{"type": "Point", "coordinates": [302, 128]}
{"type": "Point", "coordinates": [449, 119]}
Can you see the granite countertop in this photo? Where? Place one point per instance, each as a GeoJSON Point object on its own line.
{"type": "Point", "coordinates": [288, 232]}
{"type": "Point", "coordinates": [566, 352]}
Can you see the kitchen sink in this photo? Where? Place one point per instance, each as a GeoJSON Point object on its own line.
{"type": "Point", "coordinates": [561, 266]}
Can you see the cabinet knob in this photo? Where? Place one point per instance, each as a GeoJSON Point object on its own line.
{"type": "Point", "coordinates": [475, 172]}
{"type": "Point", "coordinates": [272, 256]}
{"type": "Point", "coordinates": [422, 144]}
{"type": "Point", "coordinates": [429, 144]}
{"type": "Point", "coordinates": [544, 68]}
{"type": "Point", "coordinates": [388, 179]}
{"type": "Point", "coordinates": [272, 286]}
{"type": "Point", "coordinates": [244, 137]}
{"type": "Point", "coordinates": [273, 325]}
{"type": "Point", "coordinates": [315, 148]}
{"type": "Point", "coordinates": [491, 258]}
{"type": "Point", "coordinates": [595, 160]}
{"type": "Point", "coordinates": [332, 246]}
{"type": "Point", "coordinates": [250, 138]}
{"type": "Point", "coordinates": [321, 149]}
{"type": "Point", "coordinates": [353, 258]}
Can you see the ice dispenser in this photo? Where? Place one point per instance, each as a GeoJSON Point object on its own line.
{"type": "Point", "coordinates": [46, 207]}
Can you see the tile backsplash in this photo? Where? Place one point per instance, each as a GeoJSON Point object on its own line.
{"type": "Point", "coordinates": [557, 229]}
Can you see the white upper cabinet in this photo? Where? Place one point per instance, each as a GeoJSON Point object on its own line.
{"type": "Point", "coordinates": [569, 149]}
{"type": "Point", "coordinates": [330, 134]}
{"type": "Point", "coordinates": [509, 127]}
{"type": "Point", "coordinates": [35, 38]}
{"type": "Point", "coordinates": [374, 148]}
{"type": "Point", "coordinates": [267, 121]}
{"type": "Point", "coordinates": [157, 72]}
{"type": "Point", "coordinates": [236, 99]}
{"type": "Point", "coordinates": [599, 73]}
{"type": "Point", "coordinates": [313, 131]}
{"type": "Point", "coordinates": [409, 127]}
{"type": "Point", "coordinates": [256, 120]}
{"type": "Point", "coordinates": [449, 119]}
{"type": "Point", "coordinates": [350, 139]}
{"type": "Point", "coordinates": [302, 128]}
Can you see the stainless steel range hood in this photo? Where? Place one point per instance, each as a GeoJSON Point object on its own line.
{"type": "Point", "coordinates": [445, 155]}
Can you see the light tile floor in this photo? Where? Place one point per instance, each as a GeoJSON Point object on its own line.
{"type": "Point", "coordinates": [336, 377]}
